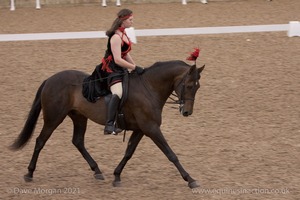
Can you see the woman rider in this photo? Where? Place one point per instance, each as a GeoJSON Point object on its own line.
{"type": "Point", "coordinates": [116, 62]}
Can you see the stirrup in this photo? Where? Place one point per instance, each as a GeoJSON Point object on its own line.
{"type": "Point", "coordinates": [110, 130]}
{"type": "Point", "coordinates": [118, 130]}
{"type": "Point", "coordinates": [110, 133]}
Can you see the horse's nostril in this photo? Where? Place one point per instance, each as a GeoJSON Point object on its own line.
{"type": "Point", "coordinates": [185, 113]}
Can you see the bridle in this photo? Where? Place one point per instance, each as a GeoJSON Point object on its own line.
{"type": "Point", "coordinates": [181, 98]}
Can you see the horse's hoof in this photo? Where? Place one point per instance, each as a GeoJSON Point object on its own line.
{"type": "Point", "coordinates": [194, 184]}
{"type": "Point", "coordinates": [117, 184]}
{"type": "Point", "coordinates": [99, 176]}
{"type": "Point", "coordinates": [28, 178]}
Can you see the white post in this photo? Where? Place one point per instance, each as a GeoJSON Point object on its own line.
{"type": "Point", "coordinates": [12, 5]}
{"type": "Point", "coordinates": [294, 29]}
{"type": "Point", "coordinates": [118, 3]}
{"type": "Point", "coordinates": [131, 34]}
{"type": "Point", "coordinates": [184, 2]}
{"type": "Point", "coordinates": [104, 3]}
{"type": "Point", "coordinates": [38, 4]}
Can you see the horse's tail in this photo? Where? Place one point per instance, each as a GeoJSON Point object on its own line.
{"type": "Point", "coordinates": [32, 118]}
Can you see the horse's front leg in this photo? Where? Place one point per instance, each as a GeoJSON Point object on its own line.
{"type": "Point", "coordinates": [158, 138]}
{"type": "Point", "coordinates": [132, 144]}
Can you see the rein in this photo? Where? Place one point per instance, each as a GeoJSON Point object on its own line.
{"type": "Point", "coordinates": [99, 79]}
{"type": "Point", "coordinates": [172, 97]}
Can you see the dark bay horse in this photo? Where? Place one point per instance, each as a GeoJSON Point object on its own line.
{"type": "Point", "coordinates": [61, 95]}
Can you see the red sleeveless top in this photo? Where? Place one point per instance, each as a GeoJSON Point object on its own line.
{"type": "Point", "coordinates": [108, 63]}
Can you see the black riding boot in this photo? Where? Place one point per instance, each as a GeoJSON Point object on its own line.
{"type": "Point", "coordinates": [112, 109]}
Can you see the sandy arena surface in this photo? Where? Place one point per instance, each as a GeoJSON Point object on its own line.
{"type": "Point", "coordinates": [242, 142]}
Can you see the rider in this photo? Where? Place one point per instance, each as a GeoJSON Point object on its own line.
{"type": "Point", "coordinates": [116, 62]}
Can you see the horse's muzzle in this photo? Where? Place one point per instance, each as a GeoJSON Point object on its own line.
{"type": "Point", "coordinates": [184, 112]}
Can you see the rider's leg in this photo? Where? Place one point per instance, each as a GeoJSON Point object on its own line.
{"type": "Point", "coordinates": [112, 108]}
{"type": "Point", "coordinates": [117, 89]}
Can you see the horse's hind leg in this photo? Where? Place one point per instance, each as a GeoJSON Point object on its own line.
{"type": "Point", "coordinates": [80, 124]}
{"type": "Point", "coordinates": [52, 118]}
{"type": "Point", "coordinates": [41, 140]}
{"type": "Point", "coordinates": [132, 144]}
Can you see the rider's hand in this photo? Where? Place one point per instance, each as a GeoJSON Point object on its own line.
{"type": "Point", "coordinates": [139, 70]}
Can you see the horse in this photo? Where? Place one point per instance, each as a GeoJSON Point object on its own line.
{"type": "Point", "coordinates": [61, 95]}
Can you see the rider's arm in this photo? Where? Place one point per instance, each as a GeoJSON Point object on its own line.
{"type": "Point", "coordinates": [129, 59]}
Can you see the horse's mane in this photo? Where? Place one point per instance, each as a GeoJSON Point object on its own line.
{"type": "Point", "coordinates": [167, 64]}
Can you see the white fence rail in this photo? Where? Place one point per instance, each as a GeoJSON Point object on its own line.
{"type": "Point", "coordinates": [104, 4]}
{"type": "Point", "coordinates": [38, 4]}
{"type": "Point", "coordinates": [293, 29]}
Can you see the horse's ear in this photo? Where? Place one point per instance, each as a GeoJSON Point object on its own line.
{"type": "Point", "coordinates": [192, 68]}
{"type": "Point", "coordinates": [200, 69]}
